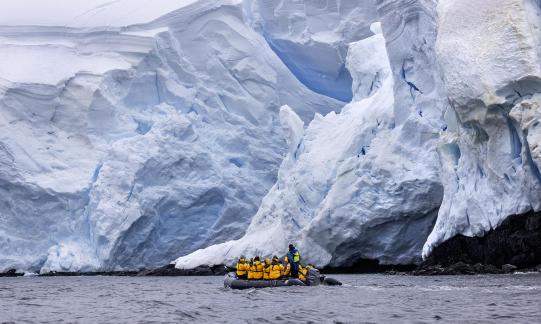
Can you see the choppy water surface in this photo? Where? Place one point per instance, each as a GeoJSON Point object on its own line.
{"type": "Point", "coordinates": [363, 298]}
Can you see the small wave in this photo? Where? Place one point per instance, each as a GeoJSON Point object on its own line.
{"type": "Point", "coordinates": [30, 304]}
{"type": "Point", "coordinates": [159, 302]}
{"type": "Point", "coordinates": [27, 298]}
{"type": "Point", "coordinates": [523, 287]}
{"type": "Point", "coordinates": [496, 316]}
{"type": "Point", "coordinates": [444, 288]}
{"type": "Point", "coordinates": [184, 314]}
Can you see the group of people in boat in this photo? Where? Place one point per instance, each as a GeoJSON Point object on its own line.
{"type": "Point", "coordinates": [275, 269]}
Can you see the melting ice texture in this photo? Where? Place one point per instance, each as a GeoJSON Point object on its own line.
{"type": "Point", "coordinates": [351, 186]}
{"type": "Point", "coordinates": [491, 65]}
{"type": "Point", "coordinates": [124, 145]}
{"type": "Point", "coordinates": [455, 152]}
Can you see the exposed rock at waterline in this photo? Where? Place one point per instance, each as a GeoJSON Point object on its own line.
{"type": "Point", "coordinates": [515, 244]}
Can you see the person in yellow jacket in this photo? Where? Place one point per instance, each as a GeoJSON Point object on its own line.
{"type": "Point", "coordinates": [276, 269]}
{"type": "Point", "coordinates": [249, 272]}
{"type": "Point", "coordinates": [257, 269]}
{"type": "Point", "coordinates": [266, 271]}
{"type": "Point", "coordinates": [303, 272]}
{"type": "Point", "coordinates": [287, 268]}
{"type": "Point", "coordinates": [242, 268]}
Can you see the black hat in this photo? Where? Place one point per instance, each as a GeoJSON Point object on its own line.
{"type": "Point", "coordinates": [291, 247]}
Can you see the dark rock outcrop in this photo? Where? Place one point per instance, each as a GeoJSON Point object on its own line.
{"type": "Point", "coordinates": [170, 270]}
{"type": "Point", "coordinates": [459, 268]}
{"type": "Point", "coordinates": [368, 266]}
{"type": "Point", "coordinates": [514, 245]}
{"type": "Point", "coordinates": [509, 268]}
{"type": "Point", "coordinates": [11, 273]}
{"type": "Point", "coordinates": [87, 274]}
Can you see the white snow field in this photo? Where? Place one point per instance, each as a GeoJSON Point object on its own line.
{"type": "Point", "coordinates": [134, 132]}
{"type": "Point", "coordinates": [88, 13]}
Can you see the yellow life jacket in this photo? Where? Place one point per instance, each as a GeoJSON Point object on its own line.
{"type": "Point", "coordinates": [241, 269]}
{"type": "Point", "coordinates": [303, 273]}
{"type": "Point", "coordinates": [267, 269]}
{"type": "Point", "coordinates": [257, 270]}
{"type": "Point", "coordinates": [286, 270]}
{"type": "Point", "coordinates": [250, 274]}
{"type": "Point", "coordinates": [297, 257]}
{"type": "Point", "coordinates": [275, 271]}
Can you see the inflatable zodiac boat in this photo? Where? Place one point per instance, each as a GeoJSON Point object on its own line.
{"type": "Point", "coordinates": [314, 279]}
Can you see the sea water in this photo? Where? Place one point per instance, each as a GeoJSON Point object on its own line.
{"type": "Point", "coordinates": [362, 299]}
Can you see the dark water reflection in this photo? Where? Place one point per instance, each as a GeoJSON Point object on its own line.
{"type": "Point", "coordinates": [363, 299]}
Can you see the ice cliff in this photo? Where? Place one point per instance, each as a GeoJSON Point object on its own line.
{"type": "Point", "coordinates": [131, 134]}
{"type": "Point", "coordinates": [362, 183]}
{"type": "Point", "coordinates": [491, 66]}
{"type": "Point", "coordinates": [454, 152]}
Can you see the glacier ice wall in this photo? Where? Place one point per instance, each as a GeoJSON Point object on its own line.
{"type": "Point", "coordinates": [132, 134]}
{"type": "Point", "coordinates": [490, 56]}
{"type": "Point", "coordinates": [455, 152]}
{"type": "Point", "coordinates": [124, 146]}
{"type": "Point", "coordinates": [356, 184]}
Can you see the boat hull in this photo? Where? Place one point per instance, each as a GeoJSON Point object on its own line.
{"type": "Point", "coordinates": [233, 282]}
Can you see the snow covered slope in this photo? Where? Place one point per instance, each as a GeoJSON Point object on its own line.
{"type": "Point", "coordinates": [130, 136]}
{"type": "Point", "coordinates": [89, 13]}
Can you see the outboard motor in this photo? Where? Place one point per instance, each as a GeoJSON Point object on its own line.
{"type": "Point", "coordinates": [313, 278]}
{"type": "Point", "coordinates": [331, 281]}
